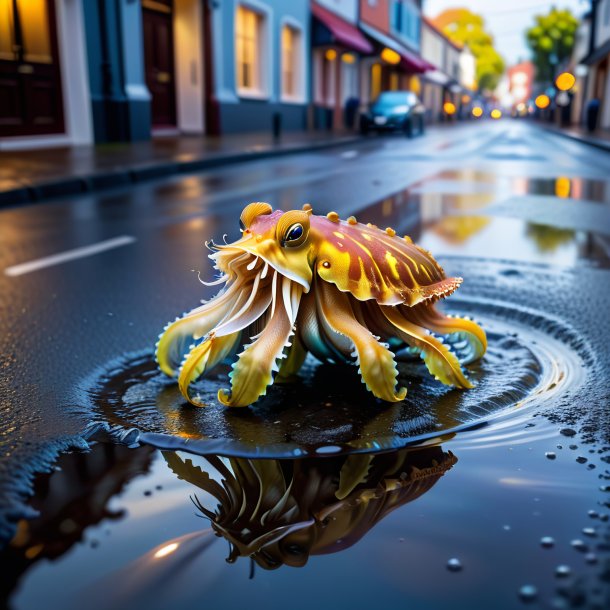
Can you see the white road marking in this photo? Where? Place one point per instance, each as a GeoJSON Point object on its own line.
{"type": "Point", "coordinates": [349, 154]}
{"type": "Point", "coordinates": [69, 255]}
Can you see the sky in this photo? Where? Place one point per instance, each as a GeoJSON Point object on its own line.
{"type": "Point", "coordinates": [507, 21]}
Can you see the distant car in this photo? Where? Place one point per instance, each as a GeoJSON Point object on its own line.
{"type": "Point", "coordinates": [393, 111]}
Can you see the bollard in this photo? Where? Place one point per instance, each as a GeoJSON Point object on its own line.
{"type": "Point", "coordinates": [277, 125]}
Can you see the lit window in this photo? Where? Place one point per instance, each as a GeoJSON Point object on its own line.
{"type": "Point", "coordinates": [247, 49]}
{"type": "Point", "coordinates": [26, 21]}
{"type": "Point", "coordinates": [290, 62]}
{"type": "Point", "coordinates": [375, 80]}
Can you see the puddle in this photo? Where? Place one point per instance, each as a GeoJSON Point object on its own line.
{"type": "Point", "coordinates": [310, 418]}
{"type": "Point", "coordinates": [473, 213]}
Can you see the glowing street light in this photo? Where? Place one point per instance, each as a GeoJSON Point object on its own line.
{"type": "Point", "coordinates": [330, 54]}
{"type": "Point", "coordinates": [542, 101]}
{"type": "Point", "coordinates": [496, 113]}
{"type": "Point", "coordinates": [565, 81]}
{"type": "Point", "coordinates": [477, 112]}
{"type": "Point", "coordinates": [449, 108]}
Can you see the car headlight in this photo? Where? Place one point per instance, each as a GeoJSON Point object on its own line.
{"type": "Point", "coordinates": [401, 109]}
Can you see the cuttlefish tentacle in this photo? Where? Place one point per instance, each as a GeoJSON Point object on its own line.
{"type": "Point", "coordinates": [197, 323]}
{"type": "Point", "coordinates": [293, 362]}
{"type": "Point", "coordinates": [253, 371]}
{"type": "Point", "coordinates": [467, 330]}
{"type": "Point", "coordinates": [376, 362]}
{"type": "Point", "coordinates": [439, 359]}
{"type": "Point", "coordinates": [203, 358]}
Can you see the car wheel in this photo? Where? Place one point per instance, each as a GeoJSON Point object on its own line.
{"type": "Point", "coordinates": [408, 128]}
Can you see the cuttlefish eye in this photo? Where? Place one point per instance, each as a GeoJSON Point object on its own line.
{"type": "Point", "coordinates": [292, 229]}
{"type": "Point", "coordinates": [293, 235]}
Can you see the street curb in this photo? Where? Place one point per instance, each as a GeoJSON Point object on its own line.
{"type": "Point", "coordinates": [590, 140]}
{"type": "Point", "coordinates": [136, 174]}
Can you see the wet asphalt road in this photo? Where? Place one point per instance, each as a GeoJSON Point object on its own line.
{"type": "Point", "coordinates": [520, 213]}
{"type": "Point", "coordinates": [63, 319]}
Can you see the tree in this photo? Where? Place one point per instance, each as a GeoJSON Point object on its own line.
{"type": "Point", "coordinates": [551, 40]}
{"type": "Point", "coordinates": [464, 27]}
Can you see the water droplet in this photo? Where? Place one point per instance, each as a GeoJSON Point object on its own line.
{"type": "Point", "coordinates": [528, 593]}
{"type": "Point", "coordinates": [454, 565]}
{"type": "Point", "coordinates": [579, 545]}
{"type": "Point", "coordinates": [593, 514]}
{"type": "Point", "coordinates": [550, 455]}
{"type": "Point", "coordinates": [563, 571]}
{"type": "Point", "coordinates": [581, 459]}
{"type": "Point", "coordinates": [506, 528]}
{"type": "Point", "coordinates": [591, 558]}
{"type": "Point", "coordinates": [589, 531]}
{"type": "Point", "coordinates": [567, 432]}
{"type": "Point", "coordinates": [573, 447]}
{"type": "Point", "coordinates": [547, 542]}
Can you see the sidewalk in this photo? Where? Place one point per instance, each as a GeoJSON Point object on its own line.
{"type": "Point", "coordinates": [34, 175]}
{"type": "Point", "coordinates": [599, 138]}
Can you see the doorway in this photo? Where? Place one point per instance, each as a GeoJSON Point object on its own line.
{"type": "Point", "coordinates": [157, 19]}
{"type": "Point", "coordinates": [30, 82]}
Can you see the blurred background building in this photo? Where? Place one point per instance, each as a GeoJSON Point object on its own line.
{"type": "Point", "coordinates": [78, 72]}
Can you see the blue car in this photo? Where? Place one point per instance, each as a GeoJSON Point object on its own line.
{"type": "Point", "coordinates": [394, 111]}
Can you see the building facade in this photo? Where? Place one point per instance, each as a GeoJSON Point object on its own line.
{"type": "Point", "coordinates": [261, 64]}
{"type": "Point", "coordinates": [76, 72]}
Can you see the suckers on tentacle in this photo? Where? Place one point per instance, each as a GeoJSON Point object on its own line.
{"type": "Point", "coordinates": [297, 283]}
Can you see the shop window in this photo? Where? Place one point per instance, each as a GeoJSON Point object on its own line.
{"type": "Point", "coordinates": [291, 63]}
{"type": "Point", "coordinates": [248, 44]}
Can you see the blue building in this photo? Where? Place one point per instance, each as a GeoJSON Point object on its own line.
{"type": "Point", "coordinates": [261, 63]}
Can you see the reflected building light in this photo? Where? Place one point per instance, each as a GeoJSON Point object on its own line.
{"type": "Point", "coordinates": [348, 58]}
{"type": "Point", "coordinates": [165, 550]}
{"type": "Point", "coordinates": [386, 207]}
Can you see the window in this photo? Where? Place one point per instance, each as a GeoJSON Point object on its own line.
{"type": "Point", "coordinates": [397, 16]}
{"type": "Point", "coordinates": [248, 50]}
{"type": "Point", "coordinates": [24, 31]}
{"type": "Point", "coordinates": [291, 62]}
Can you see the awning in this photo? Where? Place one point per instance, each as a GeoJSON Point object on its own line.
{"type": "Point", "coordinates": [410, 60]}
{"type": "Point", "coordinates": [341, 32]}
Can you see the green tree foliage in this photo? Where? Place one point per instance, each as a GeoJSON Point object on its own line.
{"type": "Point", "coordinates": [467, 28]}
{"type": "Point", "coordinates": [551, 40]}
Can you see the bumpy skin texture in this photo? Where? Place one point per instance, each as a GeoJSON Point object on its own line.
{"type": "Point", "coordinates": [297, 283]}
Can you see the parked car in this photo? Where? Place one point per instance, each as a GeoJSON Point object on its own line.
{"type": "Point", "coordinates": [393, 111]}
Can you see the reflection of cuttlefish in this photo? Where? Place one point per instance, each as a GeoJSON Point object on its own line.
{"type": "Point", "coordinates": [282, 511]}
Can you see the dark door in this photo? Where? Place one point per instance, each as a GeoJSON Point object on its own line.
{"type": "Point", "coordinates": [30, 82]}
{"type": "Point", "coordinates": [159, 59]}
